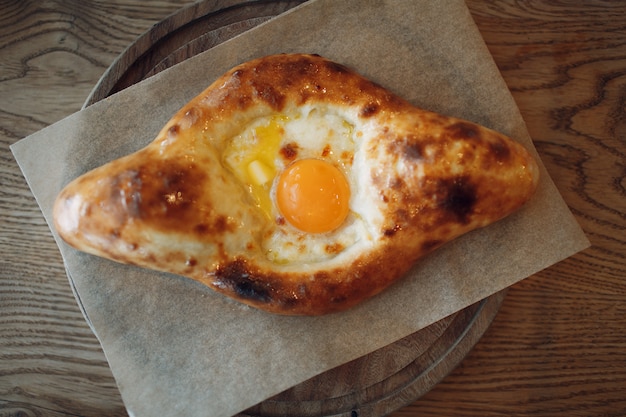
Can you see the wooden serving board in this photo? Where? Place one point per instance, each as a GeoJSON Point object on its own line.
{"type": "Point", "coordinates": [375, 384]}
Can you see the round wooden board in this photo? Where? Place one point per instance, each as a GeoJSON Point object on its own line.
{"type": "Point", "coordinates": [375, 384]}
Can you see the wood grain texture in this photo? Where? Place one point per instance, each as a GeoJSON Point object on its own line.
{"type": "Point", "coordinates": [557, 347]}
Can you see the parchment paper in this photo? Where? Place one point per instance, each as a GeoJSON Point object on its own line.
{"type": "Point", "coordinates": [177, 348]}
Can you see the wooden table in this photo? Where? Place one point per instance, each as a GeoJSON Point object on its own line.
{"type": "Point", "coordinates": [558, 344]}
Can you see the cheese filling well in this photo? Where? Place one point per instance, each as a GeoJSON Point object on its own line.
{"type": "Point", "coordinates": [261, 152]}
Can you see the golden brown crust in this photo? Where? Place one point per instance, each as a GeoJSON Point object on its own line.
{"type": "Point", "coordinates": [171, 206]}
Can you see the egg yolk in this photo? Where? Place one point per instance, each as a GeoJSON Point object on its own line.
{"type": "Point", "coordinates": [313, 195]}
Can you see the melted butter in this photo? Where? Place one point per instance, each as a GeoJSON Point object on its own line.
{"type": "Point", "coordinates": [268, 138]}
{"type": "Point", "coordinates": [251, 157]}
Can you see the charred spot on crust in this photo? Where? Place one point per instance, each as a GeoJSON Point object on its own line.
{"type": "Point", "coordinates": [292, 74]}
{"type": "Point", "coordinates": [162, 194]}
{"type": "Point", "coordinates": [201, 228]}
{"type": "Point", "coordinates": [289, 151]}
{"type": "Point", "coordinates": [463, 130]}
{"type": "Point", "coordinates": [333, 291]}
{"type": "Point", "coordinates": [392, 231]}
{"type": "Point", "coordinates": [173, 130]}
{"type": "Point", "coordinates": [340, 299]}
{"type": "Point", "coordinates": [238, 278]}
{"type": "Point", "coordinates": [413, 150]}
{"type": "Point", "coordinates": [309, 91]}
{"type": "Point", "coordinates": [410, 147]}
{"type": "Point", "coordinates": [457, 197]}
{"type": "Point", "coordinates": [369, 110]}
{"type": "Point", "coordinates": [429, 245]}
{"type": "Point", "coordinates": [397, 183]}
{"type": "Point", "coordinates": [271, 96]}
{"type": "Point", "coordinates": [334, 67]}
{"type": "Point", "coordinates": [322, 276]}
{"type": "Point", "coordinates": [251, 290]}
{"type": "Point", "coordinates": [243, 101]}
{"type": "Point", "coordinates": [500, 150]}
{"type": "Point", "coordinates": [219, 225]}
{"type": "Point", "coordinates": [151, 258]}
